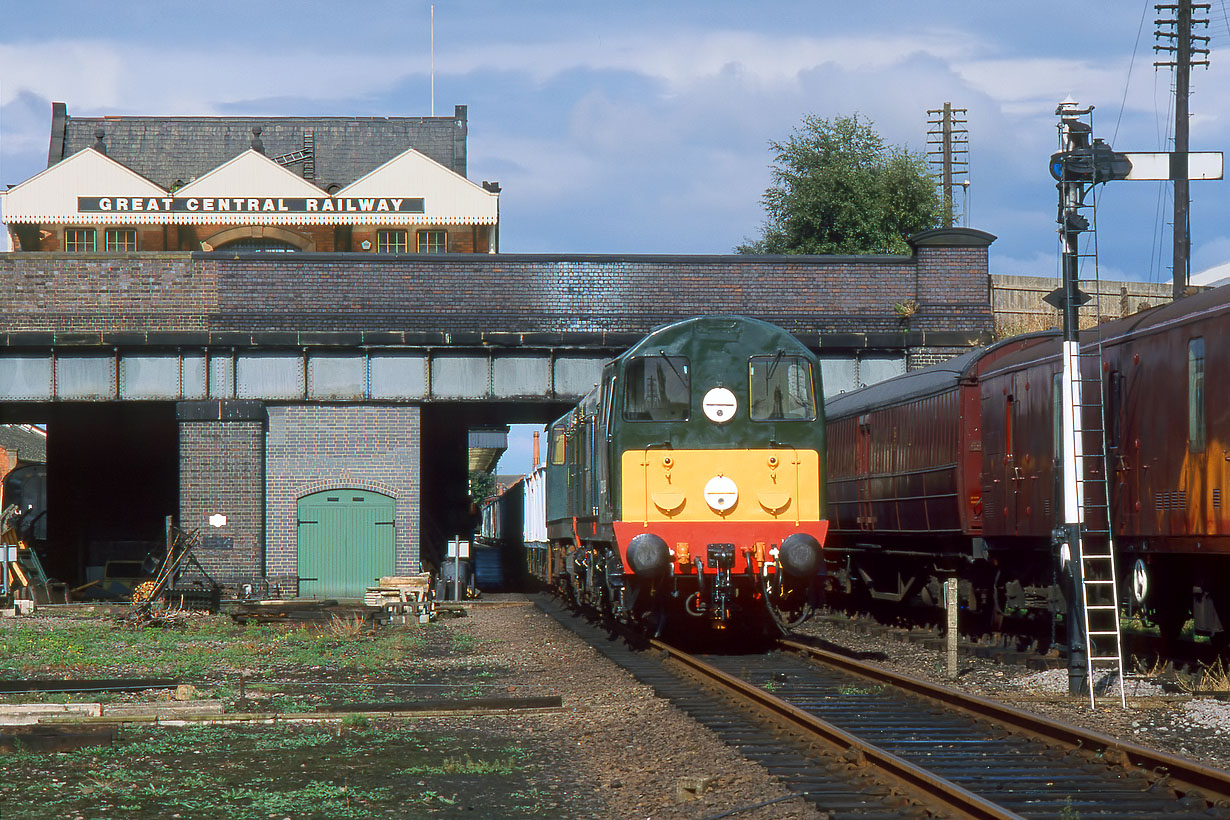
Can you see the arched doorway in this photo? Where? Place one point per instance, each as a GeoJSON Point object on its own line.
{"type": "Point", "coordinates": [259, 239]}
{"type": "Point", "coordinates": [255, 244]}
{"type": "Point", "coordinates": [345, 542]}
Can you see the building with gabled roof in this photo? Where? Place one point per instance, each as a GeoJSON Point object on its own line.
{"type": "Point", "coordinates": [127, 184]}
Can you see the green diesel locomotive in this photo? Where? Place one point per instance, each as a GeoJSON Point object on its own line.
{"type": "Point", "coordinates": [691, 479]}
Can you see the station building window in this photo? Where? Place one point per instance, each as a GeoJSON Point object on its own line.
{"type": "Point", "coordinates": [120, 240]}
{"type": "Point", "coordinates": [79, 240]}
{"type": "Point", "coordinates": [433, 241]}
{"type": "Point", "coordinates": [392, 242]}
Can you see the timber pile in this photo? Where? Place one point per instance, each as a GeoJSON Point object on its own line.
{"type": "Point", "coordinates": [399, 596]}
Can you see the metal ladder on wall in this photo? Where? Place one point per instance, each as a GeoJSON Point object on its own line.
{"type": "Point", "coordinates": [1095, 547]}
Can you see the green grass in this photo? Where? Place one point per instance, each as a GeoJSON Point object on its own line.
{"type": "Point", "coordinates": [349, 771]}
{"type": "Point", "coordinates": [210, 646]}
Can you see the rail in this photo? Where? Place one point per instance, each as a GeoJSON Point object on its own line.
{"type": "Point", "coordinates": [960, 801]}
{"type": "Point", "coordinates": [1185, 775]}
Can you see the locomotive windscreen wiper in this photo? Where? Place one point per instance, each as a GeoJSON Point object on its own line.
{"type": "Point", "coordinates": [682, 379]}
{"type": "Point", "coordinates": [773, 364]}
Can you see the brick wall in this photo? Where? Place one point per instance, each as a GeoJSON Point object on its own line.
{"type": "Point", "coordinates": [315, 448]}
{"type": "Point", "coordinates": [481, 292]}
{"type": "Point", "coordinates": [221, 472]}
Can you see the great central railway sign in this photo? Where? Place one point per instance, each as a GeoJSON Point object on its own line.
{"type": "Point", "coordinates": [295, 205]}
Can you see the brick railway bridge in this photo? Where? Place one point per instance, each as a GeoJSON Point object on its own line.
{"type": "Point", "coordinates": [321, 402]}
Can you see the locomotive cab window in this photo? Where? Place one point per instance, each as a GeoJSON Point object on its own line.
{"type": "Point", "coordinates": [780, 388]}
{"type": "Point", "coordinates": [1195, 395]}
{"type": "Point", "coordinates": [558, 437]}
{"type": "Point", "coordinates": [657, 388]}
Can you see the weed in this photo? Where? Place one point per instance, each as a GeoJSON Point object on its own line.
{"type": "Point", "coordinates": [288, 703]}
{"type": "Point", "coordinates": [906, 309]}
{"type": "Point", "coordinates": [769, 686]}
{"type": "Point", "coordinates": [467, 765]}
{"type": "Point", "coordinates": [355, 720]}
{"type": "Point", "coordinates": [350, 627]}
{"type": "Point", "coordinates": [1215, 678]}
{"type": "Point", "coordinates": [1068, 812]}
{"type": "Point", "coordinates": [852, 689]}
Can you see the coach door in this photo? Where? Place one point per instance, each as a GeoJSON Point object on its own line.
{"type": "Point", "coordinates": [345, 542]}
{"type": "Point", "coordinates": [862, 472]}
{"type": "Point", "coordinates": [1015, 476]}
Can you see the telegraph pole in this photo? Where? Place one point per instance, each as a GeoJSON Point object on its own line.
{"type": "Point", "coordinates": [1180, 45]}
{"type": "Point", "coordinates": [948, 153]}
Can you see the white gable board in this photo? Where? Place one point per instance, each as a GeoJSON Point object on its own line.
{"type": "Point", "coordinates": [51, 195]}
{"type": "Point", "coordinates": [251, 174]}
{"type": "Point", "coordinates": [90, 188]}
{"type": "Point", "coordinates": [448, 197]}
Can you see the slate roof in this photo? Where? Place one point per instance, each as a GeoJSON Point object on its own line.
{"type": "Point", "coordinates": [31, 445]}
{"type": "Point", "coordinates": [167, 149]}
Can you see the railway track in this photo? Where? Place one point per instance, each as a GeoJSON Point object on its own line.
{"type": "Point", "coordinates": [861, 742]}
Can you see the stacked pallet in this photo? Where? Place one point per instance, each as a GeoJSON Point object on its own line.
{"type": "Point", "coordinates": [399, 596]}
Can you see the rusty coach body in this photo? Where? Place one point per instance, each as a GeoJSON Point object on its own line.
{"type": "Point", "coordinates": [954, 471]}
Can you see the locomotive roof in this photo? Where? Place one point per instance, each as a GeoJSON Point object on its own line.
{"type": "Point", "coordinates": [719, 327]}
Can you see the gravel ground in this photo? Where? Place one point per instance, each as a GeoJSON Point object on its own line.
{"type": "Point", "coordinates": [632, 752]}
{"type": "Point", "coordinates": [1194, 727]}
{"type": "Point", "coordinates": [616, 743]}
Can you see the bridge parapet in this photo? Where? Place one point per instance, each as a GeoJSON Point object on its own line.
{"type": "Point", "coordinates": [365, 327]}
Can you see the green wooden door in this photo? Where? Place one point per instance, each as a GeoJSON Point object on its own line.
{"type": "Point", "coordinates": [345, 542]}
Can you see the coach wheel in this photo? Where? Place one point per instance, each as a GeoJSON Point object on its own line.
{"type": "Point", "coordinates": [1140, 582]}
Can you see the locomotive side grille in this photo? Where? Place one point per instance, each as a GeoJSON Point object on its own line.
{"type": "Point", "coordinates": [1162, 500]}
{"type": "Point", "coordinates": [1217, 498]}
{"type": "Point", "coordinates": [1046, 508]}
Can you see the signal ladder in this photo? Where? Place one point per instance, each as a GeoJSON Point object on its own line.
{"type": "Point", "coordinates": [1094, 547]}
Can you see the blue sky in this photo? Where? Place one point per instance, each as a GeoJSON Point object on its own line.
{"type": "Point", "coordinates": [644, 127]}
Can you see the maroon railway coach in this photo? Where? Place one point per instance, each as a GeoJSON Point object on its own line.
{"type": "Point", "coordinates": [953, 470]}
{"type": "Point", "coordinates": [906, 490]}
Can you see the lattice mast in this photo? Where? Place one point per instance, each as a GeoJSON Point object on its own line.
{"type": "Point", "coordinates": [948, 155]}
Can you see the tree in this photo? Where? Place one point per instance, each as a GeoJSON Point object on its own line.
{"type": "Point", "coordinates": [482, 485]}
{"type": "Point", "coordinates": [838, 189]}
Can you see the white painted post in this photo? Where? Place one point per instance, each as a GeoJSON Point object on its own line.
{"type": "Point", "coordinates": [950, 599]}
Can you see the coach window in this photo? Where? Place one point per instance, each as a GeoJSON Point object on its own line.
{"type": "Point", "coordinates": [780, 387]}
{"type": "Point", "coordinates": [433, 241]}
{"type": "Point", "coordinates": [1009, 407]}
{"type": "Point", "coordinates": [79, 240]}
{"type": "Point", "coordinates": [392, 242]}
{"type": "Point", "coordinates": [657, 388]}
{"type": "Point", "coordinates": [1195, 395]}
{"type": "Point", "coordinates": [120, 240]}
